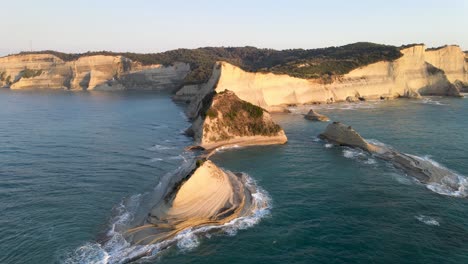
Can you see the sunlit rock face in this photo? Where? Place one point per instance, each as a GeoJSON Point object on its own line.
{"type": "Point", "coordinates": [209, 196]}
{"type": "Point", "coordinates": [417, 72]}
{"type": "Point", "coordinates": [224, 120]}
{"type": "Point", "coordinates": [97, 72]}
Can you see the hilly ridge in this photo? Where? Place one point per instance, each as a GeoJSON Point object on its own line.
{"type": "Point", "coordinates": [302, 63]}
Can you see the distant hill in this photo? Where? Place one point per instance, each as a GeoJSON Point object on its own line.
{"type": "Point", "coordinates": [302, 63]}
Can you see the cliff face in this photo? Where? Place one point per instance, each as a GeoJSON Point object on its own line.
{"type": "Point", "coordinates": [225, 119]}
{"type": "Point", "coordinates": [417, 72]}
{"type": "Point", "coordinates": [87, 73]}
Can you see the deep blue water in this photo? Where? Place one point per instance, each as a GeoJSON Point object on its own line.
{"type": "Point", "coordinates": [68, 161]}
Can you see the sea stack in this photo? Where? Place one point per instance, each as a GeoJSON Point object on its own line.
{"type": "Point", "coordinates": [226, 120]}
{"type": "Point", "coordinates": [207, 196]}
{"type": "Point", "coordinates": [314, 116]}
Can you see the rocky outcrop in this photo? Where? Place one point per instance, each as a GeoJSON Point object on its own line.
{"type": "Point", "coordinates": [423, 170]}
{"type": "Point", "coordinates": [225, 120]}
{"type": "Point", "coordinates": [97, 72]}
{"type": "Point", "coordinates": [344, 135]}
{"type": "Point", "coordinates": [208, 196]}
{"type": "Point", "coordinates": [314, 116]}
{"type": "Point", "coordinates": [416, 73]}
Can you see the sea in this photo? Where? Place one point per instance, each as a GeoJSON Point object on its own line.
{"type": "Point", "coordinates": [77, 167]}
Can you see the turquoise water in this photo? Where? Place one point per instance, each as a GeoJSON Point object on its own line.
{"type": "Point", "coordinates": [72, 165]}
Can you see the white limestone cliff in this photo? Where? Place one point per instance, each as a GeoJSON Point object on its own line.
{"type": "Point", "coordinates": [417, 72]}
{"type": "Point", "coordinates": [97, 72]}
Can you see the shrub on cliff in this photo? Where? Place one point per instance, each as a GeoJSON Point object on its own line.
{"type": "Point", "coordinates": [230, 116]}
{"type": "Point", "coordinates": [28, 73]}
{"type": "Point", "coordinates": [313, 63]}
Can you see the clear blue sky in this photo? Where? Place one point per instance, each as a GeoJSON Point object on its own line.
{"type": "Point", "coordinates": [153, 26]}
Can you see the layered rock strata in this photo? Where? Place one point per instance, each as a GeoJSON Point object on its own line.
{"type": "Point", "coordinates": [97, 72]}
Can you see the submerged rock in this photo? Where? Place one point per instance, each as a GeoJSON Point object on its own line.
{"type": "Point", "coordinates": [422, 169]}
{"type": "Point", "coordinates": [314, 116]}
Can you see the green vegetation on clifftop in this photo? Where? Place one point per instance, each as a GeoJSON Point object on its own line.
{"type": "Point", "coordinates": [302, 63]}
{"type": "Point", "coordinates": [230, 116]}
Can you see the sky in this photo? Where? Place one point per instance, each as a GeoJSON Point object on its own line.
{"type": "Point", "coordinates": [155, 26]}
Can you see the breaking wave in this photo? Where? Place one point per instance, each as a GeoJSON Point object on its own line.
{"type": "Point", "coordinates": [427, 220]}
{"type": "Point", "coordinates": [429, 101]}
{"type": "Point", "coordinates": [303, 109]}
{"type": "Point", "coordinates": [159, 147]}
{"type": "Point", "coordinates": [116, 249]}
{"type": "Point", "coordinates": [358, 155]}
{"type": "Point", "coordinates": [452, 184]}
{"type": "Point", "coordinates": [453, 179]}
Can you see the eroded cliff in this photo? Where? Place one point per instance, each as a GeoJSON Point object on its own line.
{"type": "Point", "coordinates": [417, 72]}
{"type": "Point", "coordinates": [97, 72]}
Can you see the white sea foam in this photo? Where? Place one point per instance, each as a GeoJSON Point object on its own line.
{"type": "Point", "coordinates": [454, 179]}
{"type": "Point", "coordinates": [159, 147]}
{"type": "Point", "coordinates": [358, 155]}
{"type": "Point", "coordinates": [156, 159]}
{"type": "Point", "coordinates": [304, 109]}
{"type": "Point", "coordinates": [224, 148]}
{"type": "Point", "coordinates": [118, 250]}
{"type": "Point", "coordinates": [328, 145]}
{"type": "Point", "coordinates": [427, 220]}
{"type": "Point", "coordinates": [403, 179]}
{"type": "Point", "coordinates": [429, 101]}
{"type": "Point", "coordinates": [370, 161]}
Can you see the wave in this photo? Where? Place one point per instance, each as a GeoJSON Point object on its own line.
{"type": "Point", "coordinates": [116, 249]}
{"type": "Point", "coordinates": [427, 220]}
{"type": "Point", "coordinates": [449, 182]}
{"type": "Point", "coordinates": [224, 148]}
{"type": "Point", "coordinates": [304, 109]}
{"type": "Point", "coordinates": [435, 177]}
{"type": "Point", "coordinates": [358, 155]}
{"type": "Point", "coordinates": [159, 147]}
{"type": "Point", "coordinates": [429, 101]}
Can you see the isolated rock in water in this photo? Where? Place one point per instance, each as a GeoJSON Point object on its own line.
{"type": "Point", "coordinates": [422, 169]}
{"type": "Point", "coordinates": [208, 196]}
{"type": "Point", "coordinates": [225, 120]}
{"type": "Point", "coordinates": [345, 135]}
{"type": "Point", "coordinates": [314, 116]}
